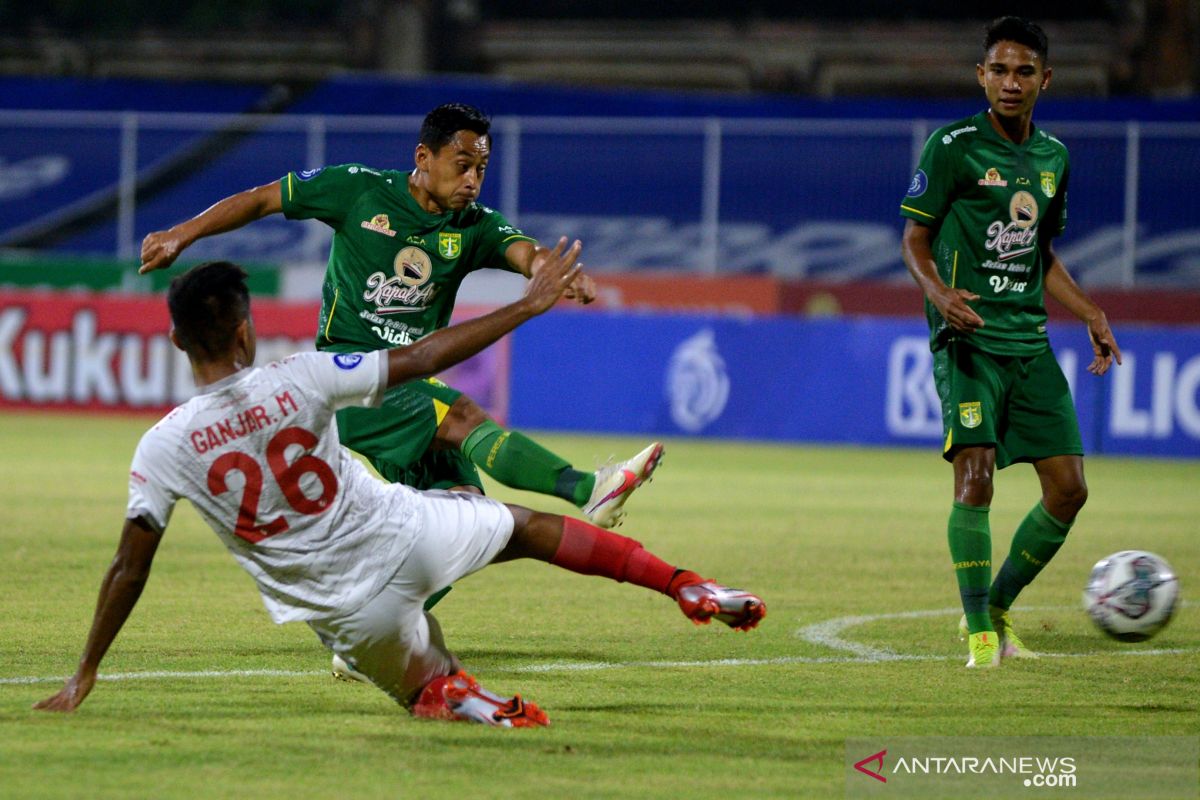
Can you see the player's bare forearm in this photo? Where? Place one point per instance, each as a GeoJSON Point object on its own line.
{"type": "Point", "coordinates": [447, 347]}
{"type": "Point", "coordinates": [161, 248]}
{"type": "Point", "coordinates": [521, 254]}
{"type": "Point", "coordinates": [916, 247]}
{"type": "Point", "coordinates": [119, 593]}
{"type": "Point", "coordinates": [1062, 287]}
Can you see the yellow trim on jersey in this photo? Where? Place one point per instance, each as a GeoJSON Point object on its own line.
{"type": "Point", "coordinates": [332, 308]}
{"type": "Point", "coordinates": [949, 441]}
{"type": "Point", "coordinates": [954, 271]}
{"type": "Point", "coordinates": [917, 211]}
{"type": "Point", "coordinates": [289, 187]}
{"type": "Point", "coordinates": [440, 410]}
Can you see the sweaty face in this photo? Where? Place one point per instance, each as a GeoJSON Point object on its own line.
{"type": "Point", "coordinates": [456, 170]}
{"type": "Point", "coordinates": [1012, 75]}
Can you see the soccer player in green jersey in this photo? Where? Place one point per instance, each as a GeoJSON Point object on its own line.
{"type": "Point", "coordinates": [987, 200]}
{"type": "Point", "coordinates": [403, 242]}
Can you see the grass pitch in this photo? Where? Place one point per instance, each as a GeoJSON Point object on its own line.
{"type": "Point", "coordinates": [207, 698]}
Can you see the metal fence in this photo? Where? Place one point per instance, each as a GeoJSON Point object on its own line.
{"type": "Point", "coordinates": [799, 198]}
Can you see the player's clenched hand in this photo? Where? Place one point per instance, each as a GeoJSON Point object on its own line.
{"type": "Point", "coordinates": [1104, 345]}
{"type": "Point", "coordinates": [77, 687]}
{"type": "Point", "coordinates": [160, 249]}
{"type": "Point", "coordinates": [952, 305]}
{"type": "Point", "coordinates": [582, 290]}
{"type": "Point", "coordinates": [554, 276]}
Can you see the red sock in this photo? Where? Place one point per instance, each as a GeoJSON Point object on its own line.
{"type": "Point", "coordinates": [589, 550]}
{"type": "Point", "coordinates": [683, 577]}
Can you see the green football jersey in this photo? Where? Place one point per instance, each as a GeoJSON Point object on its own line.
{"type": "Point", "coordinates": [394, 269]}
{"type": "Point", "coordinates": [991, 204]}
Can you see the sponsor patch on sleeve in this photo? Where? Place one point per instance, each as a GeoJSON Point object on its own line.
{"type": "Point", "coordinates": [308, 174]}
{"type": "Point", "coordinates": [918, 185]}
{"type": "Point", "coordinates": [347, 360]}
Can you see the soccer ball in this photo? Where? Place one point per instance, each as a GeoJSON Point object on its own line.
{"type": "Point", "coordinates": [1131, 595]}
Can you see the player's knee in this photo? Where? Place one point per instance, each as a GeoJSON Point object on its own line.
{"type": "Point", "coordinates": [535, 535]}
{"type": "Point", "coordinates": [464, 416]}
{"type": "Point", "coordinates": [466, 412]}
{"type": "Point", "coordinates": [1067, 500]}
{"type": "Point", "coordinates": [973, 471]}
{"type": "Point", "coordinates": [975, 490]}
{"type": "Point", "coordinates": [522, 517]}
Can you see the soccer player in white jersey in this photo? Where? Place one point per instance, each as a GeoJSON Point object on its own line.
{"type": "Point", "coordinates": [257, 454]}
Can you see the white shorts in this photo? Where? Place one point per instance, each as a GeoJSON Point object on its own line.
{"type": "Point", "coordinates": [391, 639]}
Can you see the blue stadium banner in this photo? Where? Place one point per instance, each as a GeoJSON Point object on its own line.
{"type": "Point", "coordinates": [860, 380]}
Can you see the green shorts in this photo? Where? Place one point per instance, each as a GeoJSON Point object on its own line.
{"type": "Point", "coordinates": [396, 437]}
{"type": "Point", "coordinates": [1020, 404]}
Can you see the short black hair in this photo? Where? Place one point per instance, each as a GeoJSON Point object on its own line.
{"type": "Point", "coordinates": [443, 122]}
{"type": "Point", "coordinates": [1019, 30]}
{"type": "Point", "coordinates": [207, 303]}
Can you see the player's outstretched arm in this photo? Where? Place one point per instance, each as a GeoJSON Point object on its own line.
{"type": "Point", "coordinates": [119, 593]}
{"type": "Point", "coordinates": [916, 247]}
{"type": "Point", "coordinates": [447, 347]}
{"type": "Point", "coordinates": [527, 258]}
{"type": "Point", "coordinates": [1062, 287]}
{"type": "Point", "coordinates": [161, 248]}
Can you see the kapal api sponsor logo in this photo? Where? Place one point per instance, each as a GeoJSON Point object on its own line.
{"type": "Point", "coordinates": [412, 266]}
{"type": "Point", "coordinates": [1018, 236]}
{"type": "Point", "coordinates": [408, 289]}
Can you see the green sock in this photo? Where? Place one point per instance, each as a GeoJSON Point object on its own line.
{"type": "Point", "coordinates": [517, 461]}
{"type": "Point", "coordinates": [436, 597]}
{"type": "Point", "coordinates": [1037, 539]}
{"type": "Point", "coordinates": [971, 551]}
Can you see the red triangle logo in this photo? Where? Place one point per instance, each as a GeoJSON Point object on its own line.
{"type": "Point", "coordinates": [860, 766]}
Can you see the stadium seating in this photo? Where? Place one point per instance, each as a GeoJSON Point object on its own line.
{"type": "Point", "coordinates": [813, 57]}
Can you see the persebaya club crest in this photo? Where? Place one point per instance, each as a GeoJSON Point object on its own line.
{"type": "Point", "coordinates": [1048, 184]}
{"type": "Point", "coordinates": [449, 244]}
{"type": "Point", "coordinates": [970, 414]}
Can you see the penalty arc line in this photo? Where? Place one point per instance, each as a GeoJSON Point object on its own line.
{"type": "Point", "coordinates": [829, 634]}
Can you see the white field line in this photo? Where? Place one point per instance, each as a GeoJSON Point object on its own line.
{"type": "Point", "coordinates": [142, 676]}
{"type": "Point", "coordinates": [829, 634]}
{"type": "Point", "coordinates": [825, 634]}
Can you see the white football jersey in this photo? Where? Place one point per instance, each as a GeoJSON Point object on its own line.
{"type": "Point", "coordinates": [257, 454]}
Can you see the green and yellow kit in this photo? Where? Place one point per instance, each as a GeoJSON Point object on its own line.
{"type": "Point", "coordinates": [393, 274]}
{"type": "Point", "coordinates": [993, 205]}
